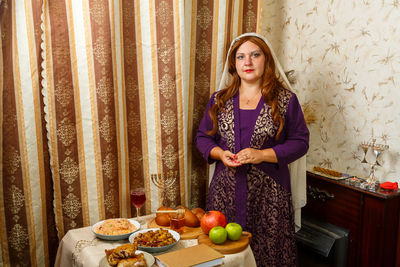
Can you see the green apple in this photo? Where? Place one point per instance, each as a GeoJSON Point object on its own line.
{"type": "Point", "coordinates": [234, 231]}
{"type": "Point", "coordinates": [218, 235]}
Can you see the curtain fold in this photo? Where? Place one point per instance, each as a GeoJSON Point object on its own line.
{"type": "Point", "coordinates": [28, 232]}
{"type": "Point", "coordinates": [96, 96]}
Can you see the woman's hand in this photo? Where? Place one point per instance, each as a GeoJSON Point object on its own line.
{"type": "Point", "coordinates": [256, 156]}
{"type": "Point", "coordinates": [228, 158]}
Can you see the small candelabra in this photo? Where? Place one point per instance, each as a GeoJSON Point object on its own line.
{"type": "Point", "coordinates": [377, 150]}
{"type": "Point", "coordinates": [164, 182]}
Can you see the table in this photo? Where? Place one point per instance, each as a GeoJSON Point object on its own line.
{"type": "Point", "coordinates": [80, 247]}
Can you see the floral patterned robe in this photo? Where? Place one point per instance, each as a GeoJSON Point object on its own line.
{"type": "Point", "coordinates": [257, 196]}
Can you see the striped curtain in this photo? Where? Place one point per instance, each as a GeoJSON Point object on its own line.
{"type": "Point", "coordinates": [28, 234]}
{"type": "Point", "coordinates": [96, 96]}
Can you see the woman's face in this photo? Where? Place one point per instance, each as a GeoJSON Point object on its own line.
{"type": "Point", "coordinates": [249, 62]}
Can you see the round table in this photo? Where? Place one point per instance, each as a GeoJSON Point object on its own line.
{"type": "Point", "coordinates": [80, 247]}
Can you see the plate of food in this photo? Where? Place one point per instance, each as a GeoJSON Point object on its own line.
{"type": "Point", "coordinates": [328, 173]}
{"type": "Point", "coordinates": [126, 255]}
{"type": "Point", "coordinates": [115, 229]}
{"type": "Point", "coordinates": [155, 240]}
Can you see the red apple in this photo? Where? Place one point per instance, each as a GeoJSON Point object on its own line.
{"type": "Point", "coordinates": [212, 219]}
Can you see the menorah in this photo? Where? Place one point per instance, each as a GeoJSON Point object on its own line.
{"type": "Point", "coordinates": [165, 182]}
{"type": "Point", "coordinates": [377, 149]}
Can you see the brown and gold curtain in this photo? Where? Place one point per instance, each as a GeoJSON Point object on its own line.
{"type": "Point", "coordinates": [96, 96]}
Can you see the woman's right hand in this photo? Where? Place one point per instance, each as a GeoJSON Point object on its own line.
{"type": "Point", "coordinates": [228, 158]}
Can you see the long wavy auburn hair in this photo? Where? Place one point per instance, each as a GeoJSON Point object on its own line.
{"type": "Point", "coordinates": [271, 84]}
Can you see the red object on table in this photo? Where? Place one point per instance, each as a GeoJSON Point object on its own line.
{"type": "Point", "coordinates": [389, 185]}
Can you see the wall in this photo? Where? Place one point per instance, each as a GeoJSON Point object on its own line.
{"type": "Point", "coordinates": [347, 62]}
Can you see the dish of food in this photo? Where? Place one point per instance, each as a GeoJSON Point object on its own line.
{"type": "Point", "coordinates": [155, 240]}
{"type": "Point", "coordinates": [115, 229]}
{"type": "Point", "coordinates": [330, 173]}
{"type": "Point", "coordinates": [148, 258]}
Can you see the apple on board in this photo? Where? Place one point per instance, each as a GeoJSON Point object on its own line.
{"type": "Point", "coordinates": [218, 235]}
{"type": "Point", "coordinates": [212, 219]}
{"type": "Point", "coordinates": [234, 231]}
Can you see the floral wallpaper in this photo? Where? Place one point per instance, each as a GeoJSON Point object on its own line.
{"type": "Point", "coordinates": [346, 57]}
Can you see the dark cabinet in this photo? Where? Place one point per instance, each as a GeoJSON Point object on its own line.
{"type": "Point", "coordinates": [372, 218]}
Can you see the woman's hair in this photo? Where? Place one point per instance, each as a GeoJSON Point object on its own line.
{"type": "Point", "coordinates": [271, 84]}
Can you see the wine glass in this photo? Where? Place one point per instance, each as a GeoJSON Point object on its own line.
{"type": "Point", "coordinates": [378, 150]}
{"type": "Point", "coordinates": [138, 198]}
{"type": "Point", "coordinates": [365, 147]}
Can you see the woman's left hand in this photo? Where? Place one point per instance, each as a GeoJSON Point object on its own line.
{"type": "Point", "coordinates": [256, 156]}
{"type": "Point", "coordinates": [250, 156]}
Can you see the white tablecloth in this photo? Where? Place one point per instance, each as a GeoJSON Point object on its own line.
{"type": "Point", "coordinates": [80, 247]}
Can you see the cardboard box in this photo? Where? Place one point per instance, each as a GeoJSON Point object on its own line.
{"type": "Point", "coordinates": [195, 256]}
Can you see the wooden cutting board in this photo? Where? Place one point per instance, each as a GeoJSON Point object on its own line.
{"type": "Point", "coordinates": [188, 232]}
{"type": "Point", "coordinates": [229, 247]}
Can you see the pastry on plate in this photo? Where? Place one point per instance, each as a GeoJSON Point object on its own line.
{"type": "Point", "coordinates": [124, 256]}
{"type": "Point", "coordinates": [137, 261]}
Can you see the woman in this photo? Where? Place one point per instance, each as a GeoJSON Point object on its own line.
{"type": "Point", "coordinates": [253, 129]}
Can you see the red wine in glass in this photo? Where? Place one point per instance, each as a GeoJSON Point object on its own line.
{"type": "Point", "coordinates": [138, 198]}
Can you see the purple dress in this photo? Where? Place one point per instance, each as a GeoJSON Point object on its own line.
{"type": "Point", "coordinates": [257, 196]}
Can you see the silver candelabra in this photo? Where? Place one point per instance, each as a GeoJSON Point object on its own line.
{"type": "Point", "coordinates": [165, 182]}
{"type": "Point", "coordinates": [377, 150]}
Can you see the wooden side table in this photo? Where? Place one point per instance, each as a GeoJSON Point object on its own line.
{"type": "Point", "coordinates": [372, 217]}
